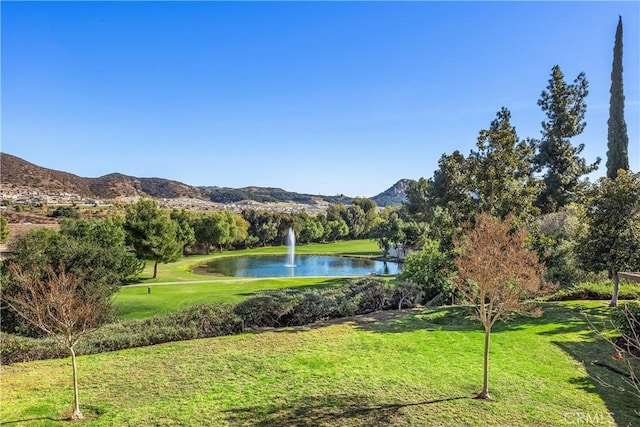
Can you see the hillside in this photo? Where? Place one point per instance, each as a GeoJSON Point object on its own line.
{"type": "Point", "coordinates": [18, 173]}
{"type": "Point", "coordinates": [394, 195]}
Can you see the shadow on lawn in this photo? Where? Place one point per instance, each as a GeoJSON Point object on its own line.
{"type": "Point", "coordinates": [563, 324]}
{"type": "Point", "coordinates": [91, 413]}
{"type": "Point", "coordinates": [324, 410]}
{"type": "Point", "coordinates": [30, 420]}
{"type": "Point", "coordinates": [597, 357]}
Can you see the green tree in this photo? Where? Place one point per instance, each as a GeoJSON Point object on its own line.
{"type": "Point", "coordinates": [311, 230]}
{"type": "Point", "coordinates": [496, 275]}
{"type": "Point", "coordinates": [204, 233]}
{"type": "Point", "coordinates": [370, 209]}
{"type": "Point", "coordinates": [500, 171]}
{"type": "Point", "coordinates": [186, 234]}
{"type": "Point", "coordinates": [263, 225]}
{"type": "Point", "coordinates": [65, 212]}
{"type": "Point", "coordinates": [94, 250]}
{"type": "Point", "coordinates": [564, 106]}
{"type": "Point", "coordinates": [216, 229]}
{"type": "Point", "coordinates": [418, 199]}
{"type": "Point", "coordinates": [388, 232]}
{"type": "Point", "coordinates": [239, 229]}
{"type": "Point", "coordinates": [356, 220]}
{"type": "Point", "coordinates": [153, 234]}
{"type": "Point", "coordinates": [617, 139]}
{"type": "Point", "coordinates": [336, 229]}
{"type": "Point", "coordinates": [4, 229]}
{"type": "Point", "coordinates": [554, 238]}
{"type": "Point", "coordinates": [452, 189]}
{"type": "Point", "coordinates": [96, 246]}
{"type": "Point", "coordinates": [612, 242]}
{"type": "Point", "coordinates": [429, 269]}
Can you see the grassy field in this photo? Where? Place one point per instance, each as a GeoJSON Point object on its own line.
{"type": "Point", "coordinates": [417, 368]}
{"type": "Point", "coordinates": [177, 287]}
{"type": "Point", "coordinates": [134, 302]}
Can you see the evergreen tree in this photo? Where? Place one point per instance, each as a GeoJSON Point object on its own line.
{"type": "Point", "coordinates": [612, 241]}
{"type": "Point", "coordinates": [501, 173]}
{"type": "Point", "coordinates": [565, 107]}
{"type": "Point", "coordinates": [153, 234]}
{"type": "Point", "coordinates": [617, 139]}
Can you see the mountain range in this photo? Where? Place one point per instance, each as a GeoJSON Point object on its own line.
{"type": "Point", "coordinates": [19, 173]}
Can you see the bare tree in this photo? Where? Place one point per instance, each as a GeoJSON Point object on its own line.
{"type": "Point", "coordinates": [62, 306]}
{"type": "Point", "coordinates": [496, 275]}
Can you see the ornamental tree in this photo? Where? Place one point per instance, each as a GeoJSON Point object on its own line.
{"type": "Point", "coordinates": [497, 274]}
{"type": "Point", "coordinates": [62, 306]}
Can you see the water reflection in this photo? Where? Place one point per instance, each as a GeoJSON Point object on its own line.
{"type": "Point", "coordinates": [305, 266]}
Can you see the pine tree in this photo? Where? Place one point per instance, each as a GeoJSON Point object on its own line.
{"type": "Point", "coordinates": [565, 107]}
{"type": "Point", "coordinates": [617, 139]}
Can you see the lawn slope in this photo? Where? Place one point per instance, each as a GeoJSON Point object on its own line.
{"type": "Point", "coordinates": [417, 368]}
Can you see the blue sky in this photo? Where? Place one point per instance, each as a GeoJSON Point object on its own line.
{"type": "Point", "coordinates": [313, 97]}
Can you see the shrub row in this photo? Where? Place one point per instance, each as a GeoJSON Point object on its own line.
{"type": "Point", "coordinates": [285, 307]}
{"type": "Point", "coordinates": [595, 291]}
{"type": "Point", "coordinates": [288, 307]}
{"type": "Point", "coordinates": [200, 321]}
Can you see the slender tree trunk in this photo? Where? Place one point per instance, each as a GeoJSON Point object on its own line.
{"type": "Point", "coordinates": [155, 269]}
{"type": "Point", "coordinates": [484, 394]}
{"type": "Point", "coordinates": [616, 289]}
{"type": "Point", "coordinates": [77, 415]}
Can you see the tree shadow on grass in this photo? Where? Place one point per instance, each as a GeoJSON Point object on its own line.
{"type": "Point", "coordinates": [604, 377]}
{"type": "Point", "coordinates": [579, 341]}
{"type": "Point", "coordinates": [90, 412]}
{"type": "Point", "coordinates": [31, 420]}
{"type": "Point", "coordinates": [328, 410]}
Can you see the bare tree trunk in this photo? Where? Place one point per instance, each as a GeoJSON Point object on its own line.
{"type": "Point", "coordinates": [77, 415]}
{"type": "Point", "coordinates": [616, 289]}
{"type": "Point", "coordinates": [155, 269]}
{"type": "Point", "coordinates": [484, 394]}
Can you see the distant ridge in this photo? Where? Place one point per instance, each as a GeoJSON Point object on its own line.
{"type": "Point", "coordinates": [18, 173]}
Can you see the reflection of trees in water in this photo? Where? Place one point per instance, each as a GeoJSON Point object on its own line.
{"type": "Point", "coordinates": [305, 265]}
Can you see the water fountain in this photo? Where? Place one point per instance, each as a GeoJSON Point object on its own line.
{"type": "Point", "coordinates": [291, 248]}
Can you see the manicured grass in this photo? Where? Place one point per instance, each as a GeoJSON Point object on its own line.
{"type": "Point", "coordinates": [417, 368]}
{"type": "Point", "coordinates": [134, 302]}
{"type": "Point", "coordinates": [171, 290]}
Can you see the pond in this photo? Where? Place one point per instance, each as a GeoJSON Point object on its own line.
{"type": "Point", "coordinates": [304, 266]}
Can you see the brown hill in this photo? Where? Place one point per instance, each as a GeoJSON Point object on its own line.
{"type": "Point", "coordinates": [18, 173]}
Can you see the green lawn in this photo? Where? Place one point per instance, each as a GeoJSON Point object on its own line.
{"type": "Point", "coordinates": [134, 302]}
{"type": "Point", "coordinates": [417, 368]}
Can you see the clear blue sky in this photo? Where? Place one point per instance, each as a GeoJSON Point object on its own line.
{"type": "Point", "coordinates": [313, 97]}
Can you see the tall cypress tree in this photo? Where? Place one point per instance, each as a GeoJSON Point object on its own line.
{"type": "Point", "coordinates": [617, 139]}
